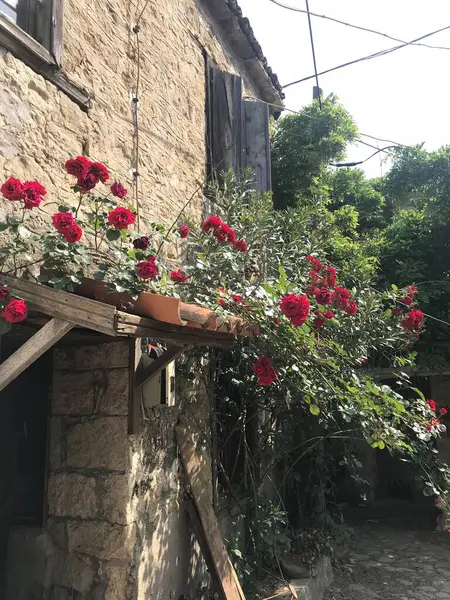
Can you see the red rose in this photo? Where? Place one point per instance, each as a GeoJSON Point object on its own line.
{"type": "Point", "coordinates": [32, 192]}
{"type": "Point", "coordinates": [86, 182]}
{"type": "Point", "coordinates": [147, 269]}
{"type": "Point", "coordinates": [264, 370]}
{"type": "Point", "coordinates": [142, 243]}
{"type": "Point", "coordinates": [396, 312]}
{"type": "Point", "coordinates": [412, 290]}
{"type": "Point", "coordinates": [4, 292]}
{"type": "Point", "coordinates": [432, 405]}
{"type": "Point", "coordinates": [99, 171]}
{"type": "Point", "coordinates": [331, 276]}
{"type": "Point", "coordinates": [73, 233]}
{"type": "Point", "coordinates": [318, 322]}
{"type": "Point", "coordinates": [341, 297]}
{"type": "Point", "coordinates": [237, 298]}
{"type": "Point", "coordinates": [77, 166]}
{"type": "Point", "coordinates": [413, 320]}
{"type": "Point", "coordinates": [178, 276]}
{"type": "Point", "coordinates": [118, 190]}
{"type": "Point", "coordinates": [435, 422]}
{"type": "Point", "coordinates": [328, 314]}
{"type": "Point", "coordinates": [12, 189]}
{"type": "Point", "coordinates": [437, 501]}
{"type": "Point", "coordinates": [15, 311]}
{"type": "Point", "coordinates": [211, 223]}
{"type": "Point", "coordinates": [184, 231]}
{"type": "Point", "coordinates": [292, 305]}
{"type": "Point", "coordinates": [443, 411]}
{"type": "Point", "coordinates": [223, 232]}
{"type": "Point", "coordinates": [323, 295]}
{"type": "Point", "coordinates": [241, 246]}
{"type": "Point", "coordinates": [406, 300]}
{"type": "Point", "coordinates": [121, 217]}
{"type": "Point", "coordinates": [351, 308]}
{"type": "Point", "coordinates": [62, 221]}
{"type": "Point", "coordinates": [232, 238]}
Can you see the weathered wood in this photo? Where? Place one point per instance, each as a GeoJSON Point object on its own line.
{"type": "Point", "coordinates": [158, 365]}
{"type": "Point", "coordinates": [33, 348]}
{"type": "Point", "coordinates": [224, 122]}
{"type": "Point", "coordinates": [134, 405]}
{"type": "Point", "coordinates": [194, 466]}
{"type": "Point", "coordinates": [57, 30]}
{"type": "Point", "coordinates": [136, 326]}
{"type": "Point", "coordinates": [256, 143]}
{"type": "Point", "coordinates": [80, 311]}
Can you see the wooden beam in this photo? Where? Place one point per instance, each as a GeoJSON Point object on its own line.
{"type": "Point", "coordinates": [158, 365]}
{"type": "Point", "coordinates": [56, 303]}
{"type": "Point", "coordinates": [143, 327]}
{"type": "Point", "coordinates": [33, 348]}
{"type": "Point", "coordinates": [195, 467]}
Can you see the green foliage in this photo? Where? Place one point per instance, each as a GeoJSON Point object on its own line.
{"type": "Point", "coordinates": [303, 146]}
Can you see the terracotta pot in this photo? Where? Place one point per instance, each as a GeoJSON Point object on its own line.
{"type": "Point", "coordinates": [161, 308]}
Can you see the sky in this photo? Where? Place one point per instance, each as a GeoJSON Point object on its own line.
{"type": "Point", "coordinates": [403, 96]}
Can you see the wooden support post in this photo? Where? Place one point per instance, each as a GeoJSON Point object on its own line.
{"type": "Point", "coordinates": [158, 365]}
{"type": "Point", "coordinates": [33, 348]}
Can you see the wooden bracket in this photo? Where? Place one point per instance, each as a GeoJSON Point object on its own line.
{"type": "Point", "coordinates": [32, 349]}
{"type": "Point", "coordinates": [158, 365]}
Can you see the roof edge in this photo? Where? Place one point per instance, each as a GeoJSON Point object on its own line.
{"type": "Point", "coordinates": [242, 39]}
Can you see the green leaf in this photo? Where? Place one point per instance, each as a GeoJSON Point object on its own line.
{"type": "Point", "coordinates": [113, 235]}
{"type": "Point", "coordinates": [282, 284]}
{"type": "Point", "coordinates": [4, 226]}
{"type": "Point", "coordinates": [394, 287]}
{"type": "Point", "coordinates": [314, 409]}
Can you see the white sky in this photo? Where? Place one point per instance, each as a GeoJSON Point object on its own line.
{"type": "Point", "coordinates": [403, 96]}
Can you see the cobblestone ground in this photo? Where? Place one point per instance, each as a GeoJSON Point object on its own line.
{"type": "Point", "coordinates": [389, 562]}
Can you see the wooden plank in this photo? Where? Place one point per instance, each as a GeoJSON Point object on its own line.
{"type": "Point", "coordinates": [256, 143]}
{"type": "Point", "coordinates": [224, 122]}
{"type": "Point", "coordinates": [57, 30]}
{"type": "Point", "coordinates": [158, 365]}
{"type": "Point", "coordinates": [81, 311]}
{"type": "Point", "coordinates": [136, 326]}
{"type": "Point", "coordinates": [134, 405]}
{"type": "Point", "coordinates": [195, 466]}
{"type": "Point", "coordinates": [33, 348]}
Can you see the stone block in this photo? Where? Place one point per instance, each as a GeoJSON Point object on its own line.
{"type": "Point", "coordinates": [56, 448]}
{"type": "Point", "coordinates": [100, 539]}
{"type": "Point", "coordinates": [111, 391]}
{"type": "Point", "coordinates": [72, 495]}
{"type": "Point", "coordinates": [81, 358]}
{"type": "Point", "coordinates": [98, 444]}
{"type": "Point", "coordinates": [73, 393]}
{"type": "Point", "coordinates": [114, 498]}
{"type": "Point", "coordinates": [74, 571]}
{"type": "Point", "coordinates": [116, 578]}
{"type": "Point", "coordinates": [57, 531]}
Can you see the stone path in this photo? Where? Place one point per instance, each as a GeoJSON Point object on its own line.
{"type": "Point", "coordinates": [388, 563]}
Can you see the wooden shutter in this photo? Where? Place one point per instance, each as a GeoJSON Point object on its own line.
{"type": "Point", "coordinates": [256, 143]}
{"type": "Point", "coordinates": [224, 116]}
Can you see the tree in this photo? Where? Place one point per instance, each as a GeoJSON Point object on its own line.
{"type": "Point", "coordinates": [303, 146]}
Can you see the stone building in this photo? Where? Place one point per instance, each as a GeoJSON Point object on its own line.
{"type": "Point", "coordinates": [162, 92]}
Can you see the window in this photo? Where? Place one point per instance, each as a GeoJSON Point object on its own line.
{"type": "Point", "coordinates": [32, 31]}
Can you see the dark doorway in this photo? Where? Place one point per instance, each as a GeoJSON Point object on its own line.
{"type": "Point", "coordinates": [395, 478]}
{"type": "Point", "coordinates": [23, 448]}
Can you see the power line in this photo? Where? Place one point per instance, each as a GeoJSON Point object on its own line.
{"type": "Point", "coordinates": [355, 164]}
{"type": "Point", "coordinates": [314, 118]}
{"type": "Point", "coordinates": [368, 57]}
{"type": "Point", "coordinates": [313, 53]}
{"type": "Point", "coordinates": [300, 10]}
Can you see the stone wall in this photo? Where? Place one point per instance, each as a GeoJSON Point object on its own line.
{"type": "Point", "coordinates": [116, 527]}
{"type": "Point", "coordinates": [41, 127]}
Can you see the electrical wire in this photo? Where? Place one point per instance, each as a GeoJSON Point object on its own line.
{"type": "Point", "coordinates": [313, 53]}
{"type": "Point", "coordinates": [354, 164]}
{"type": "Point", "coordinates": [368, 57]}
{"type": "Point", "coordinates": [314, 118]}
{"type": "Point", "coordinates": [390, 37]}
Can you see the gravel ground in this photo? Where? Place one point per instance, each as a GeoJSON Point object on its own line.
{"type": "Point", "coordinates": [391, 560]}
